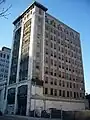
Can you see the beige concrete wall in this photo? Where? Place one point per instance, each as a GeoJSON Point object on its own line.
{"type": "Point", "coordinates": [67, 106]}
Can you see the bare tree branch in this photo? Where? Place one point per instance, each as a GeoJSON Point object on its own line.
{"type": "Point", "coordinates": [4, 12]}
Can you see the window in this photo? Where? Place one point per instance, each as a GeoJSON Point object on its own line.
{"type": "Point", "coordinates": [62, 65]}
{"type": "Point", "coordinates": [46, 19]}
{"type": "Point", "coordinates": [55, 82]}
{"type": "Point", "coordinates": [59, 73]}
{"type": "Point", "coordinates": [51, 45]}
{"type": "Point", "coordinates": [59, 92]}
{"type": "Point", "coordinates": [63, 93]}
{"type": "Point", "coordinates": [69, 76]}
{"type": "Point", "coordinates": [60, 82]}
{"type": "Point", "coordinates": [59, 41]}
{"type": "Point", "coordinates": [59, 48]}
{"type": "Point", "coordinates": [55, 92]}
{"type": "Point", "coordinates": [39, 19]}
{"type": "Point", "coordinates": [77, 86]}
{"type": "Point", "coordinates": [66, 51]}
{"type": "Point", "coordinates": [51, 61]}
{"type": "Point", "coordinates": [51, 37]}
{"type": "Point", "coordinates": [55, 54]}
{"type": "Point", "coordinates": [62, 49]}
{"type": "Point", "coordinates": [70, 93]}
{"type": "Point", "coordinates": [69, 68]}
{"type": "Point", "coordinates": [46, 70]}
{"type": "Point", "coordinates": [54, 46]}
{"type": "Point", "coordinates": [51, 30]}
{"type": "Point", "coordinates": [4, 55]}
{"type": "Point", "coordinates": [62, 43]}
{"type": "Point", "coordinates": [46, 35]}
{"type": "Point", "coordinates": [54, 38]}
{"type": "Point", "coordinates": [73, 69]}
{"type": "Point", "coordinates": [69, 60]}
{"type": "Point", "coordinates": [63, 75]}
{"type": "Point", "coordinates": [38, 44]}
{"type": "Point", "coordinates": [73, 85]}
{"type": "Point", "coordinates": [67, 84]}
{"type": "Point", "coordinates": [46, 90]}
{"type": "Point", "coordinates": [46, 79]}
{"type": "Point", "coordinates": [59, 56]}
{"type": "Point", "coordinates": [46, 27]}
{"type": "Point", "coordinates": [40, 11]}
{"type": "Point", "coordinates": [51, 81]}
{"type": "Point", "coordinates": [0, 54]}
{"type": "Point", "coordinates": [59, 64]}
{"type": "Point", "coordinates": [58, 33]}
{"type": "Point", "coordinates": [63, 84]}
{"type": "Point", "coordinates": [77, 95]}
{"type": "Point", "coordinates": [51, 71]}
{"type": "Point", "coordinates": [74, 94]}
{"type": "Point", "coordinates": [51, 91]}
{"type": "Point", "coordinates": [37, 66]}
{"type": "Point", "coordinates": [80, 94]}
{"type": "Point", "coordinates": [55, 73]}
{"type": "Point", "coordinates": [54, 31]}
{"type": "Point", "coordinates": [46, 42]}
{"type": "Point", "coordinates": [46, 51]}
{"type": "Point", "coordinates": [62, 57]}
{"type": "Point", "coordinates": [66, 67]}
{"type": "Point", "coordinates": [66, 59]}
{"type": "Point", "coordinates": [51, 53]}
{"type": "Point", "coordinates": [70, 85]}
{"type": "Point", "coordinates": [55, 63]}
{"type": "Point", "coordinates": [7, 56]}
{"type": "Point", "coordinates": [38, 54]}
{"type": "Point", "coordinates": [67, 93]}
{"type": "Point", "coordinates": [46, 60]}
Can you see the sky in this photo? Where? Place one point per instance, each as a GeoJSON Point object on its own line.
{"type": "Point", "coordinates": [75, 13]}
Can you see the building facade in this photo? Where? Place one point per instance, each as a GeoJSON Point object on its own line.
{"type": "Point", "coordinates": [4, 67]}
{"type": "Point", "coordinates": [46, 69]}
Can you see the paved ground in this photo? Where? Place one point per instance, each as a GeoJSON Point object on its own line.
{"type": "Point", "coordinates": [21, 118]}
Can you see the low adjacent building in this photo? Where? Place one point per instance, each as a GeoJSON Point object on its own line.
{"type": "Point", "coordinates": [4, 67]}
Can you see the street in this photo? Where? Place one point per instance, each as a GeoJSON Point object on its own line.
{"type": "Point", "coordinates": [12, 117]}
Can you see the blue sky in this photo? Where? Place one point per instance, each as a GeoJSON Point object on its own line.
{"type": "Point", "coordinates": [75, 13]}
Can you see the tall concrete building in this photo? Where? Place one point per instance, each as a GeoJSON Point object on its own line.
{"type": "Point", "coordinates": [4, 67]}
{"type": "Point", "coordinates": [46, 69]}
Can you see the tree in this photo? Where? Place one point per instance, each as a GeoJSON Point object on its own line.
{"type": "Point", "coordinates": [4, 11]}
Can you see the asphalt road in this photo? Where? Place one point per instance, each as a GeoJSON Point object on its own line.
{"type": "Point", "coordinates": [21, 118]}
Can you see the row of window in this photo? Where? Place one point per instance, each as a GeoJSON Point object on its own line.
{"type": "Point", "coordinates": [60, 66]}
{"type": "Point", "coordinates": [61, 27]}
{"type": "Point", "coordinates": [60, 44]}
{"type": "Point", "coordinates": [58, 48]}
{"type": "Point", "coordinates": [58, 55]}
{"type": "Point", "coordinates": [3, 65]}
{"type": "Point", "coordinates": [5, 76]}
{"type": "Point", "coordinates": [62, 74]}
{"type": "Point", "coordinates": [3, 60]}
{"type": "Point", "coordinates": [62, 36]}
{"type": "Point", "coordinates": [63, 66]}
{"type": "Point", "coordinates": [63, 93]}
{"type": "Point", "coordinates": [4, 55]}
{"type": "Point", "coordinates": [4, 70]}
{"type": "Point", "coordinates": [63, 83]}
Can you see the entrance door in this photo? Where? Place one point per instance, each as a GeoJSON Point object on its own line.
{"type": "Point", "coordinates": [22, 100]}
